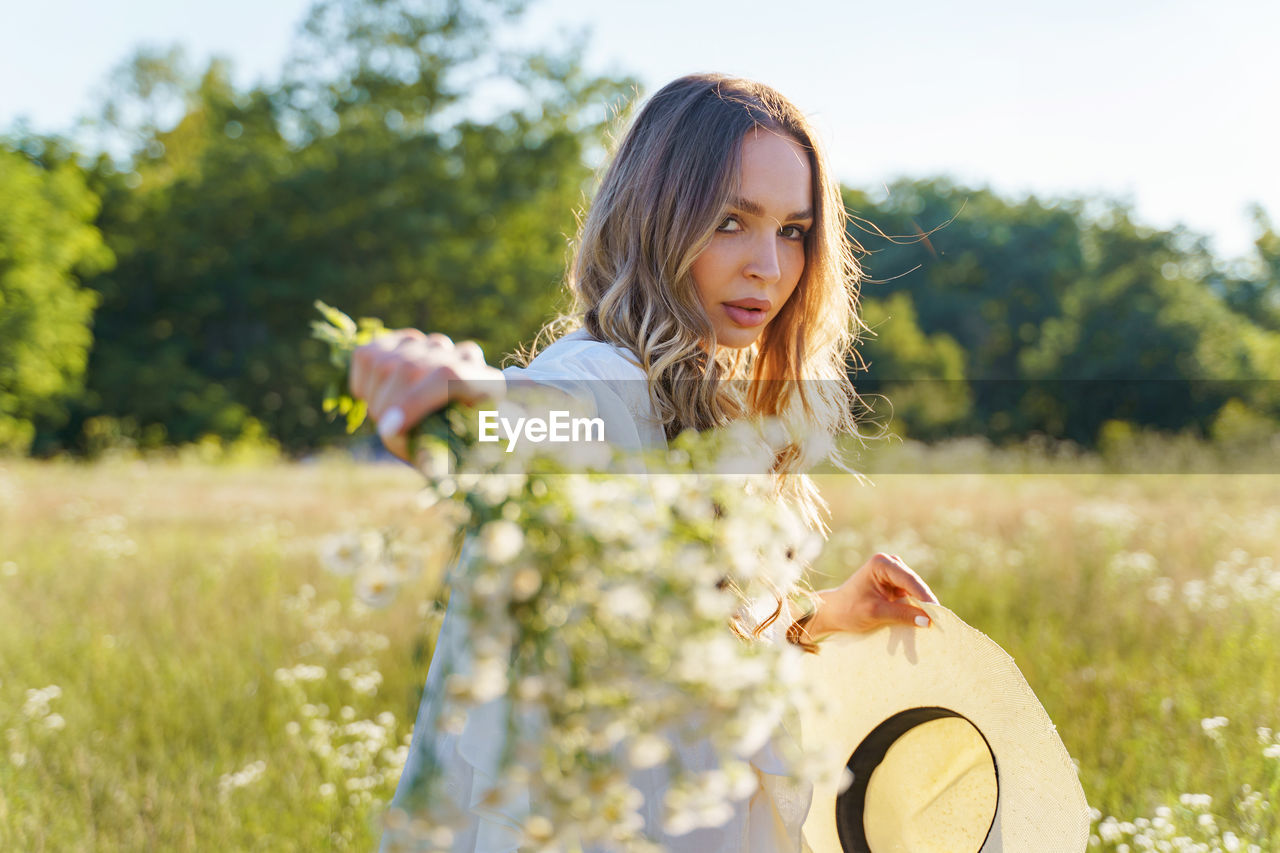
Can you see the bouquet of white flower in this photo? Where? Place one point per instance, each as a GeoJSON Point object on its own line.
{"type": "Point", "coordinates": [618, 616]}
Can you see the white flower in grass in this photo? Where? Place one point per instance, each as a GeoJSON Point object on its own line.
{"type": "Point", "coordinates": [377, 584]}
{"type": "Point", "coordinates": [38, 699]}
{"type": "Point", "coordinates": [402, 560]}
{"type": "Point", "coordinates": [1161, 591]}
{"type": "Point", "coordinates": [1132, 564]}
{"type": "Point", "coordinates": [1211, 725]}
{"type": "Point", "coordinates": [1193, 592]}
{"type": "Point", "coordinates": [1196, 801]}
{"type": "Point", "coordinates": [241, 778]}
{"type": "Point", "coordinates": [344, 553]}
{"type": "Point", "coordinates": [301, 672]}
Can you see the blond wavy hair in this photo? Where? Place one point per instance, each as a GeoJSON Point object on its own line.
{"type": "Point", "coordinates": [661, 198]}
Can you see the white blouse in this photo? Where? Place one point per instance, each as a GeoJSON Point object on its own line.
{"type": "Point", "coordinates": [610, 381]}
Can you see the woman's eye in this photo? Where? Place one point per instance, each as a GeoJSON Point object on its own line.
{"type": "Point", "coordinates": [793, 232]}
{"type": "Point", "coordinates": [729, 224]}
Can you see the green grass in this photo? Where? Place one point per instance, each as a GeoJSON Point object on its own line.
{"type": "Point", "coordinates": [162, 599]}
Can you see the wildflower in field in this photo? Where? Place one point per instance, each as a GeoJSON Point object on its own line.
{"type": "Point", "coordinates": [1196, 801]}
{"type": "Point", "coordinates": [1111, 517]}
{"type": "Point", "coordinates": [301, 672]}
{"type": "Point", "coordinates": [377, 583]}
{"type": "Point", "coordinates": [1161, 591]}
{"type": "Point", "coordinates": [362, 676]}
{"type": "Point", "coordinates": [106, 536]}
{"type": "Point", "coordinates": [241, 778]}
{"type": "Point", "coordinates": [1132, 565]}
{"type": "Point", "coordinates": [346, 553]}
{"type": "Point", "coordinates": [1193, 594]}
{"type": "Point", "coordinates": [38, 699]}
{"type": "Point", "coordinates": [1270, 742]}
{"type": "Point", "coordinates": [1211, 726]}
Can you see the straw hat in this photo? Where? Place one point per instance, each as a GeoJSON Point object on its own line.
{"type": "Point", "coordinates": [948, 748]}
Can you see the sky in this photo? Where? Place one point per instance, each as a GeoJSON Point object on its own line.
{"type": "Point", "coordinates": [1169, 105]}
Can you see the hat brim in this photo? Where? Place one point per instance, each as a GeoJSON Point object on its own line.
{"type": "Point", "coordinates": [859, 681]}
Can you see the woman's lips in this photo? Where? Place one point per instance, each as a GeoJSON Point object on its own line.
{"type": "Point", "coordinates": [747, 312]}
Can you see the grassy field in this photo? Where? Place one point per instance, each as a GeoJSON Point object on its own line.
{"type": "Point", "coordinates": [177, 670]}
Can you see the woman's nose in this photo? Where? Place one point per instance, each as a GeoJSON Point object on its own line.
{"type": "Point", "coordinates": [763, 261]}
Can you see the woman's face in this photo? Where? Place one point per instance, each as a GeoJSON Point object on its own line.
{"type": "Point", "coordinates": [756, 256]}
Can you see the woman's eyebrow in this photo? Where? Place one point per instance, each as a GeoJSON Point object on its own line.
{"type": "Point", "coordinates": [750, 207]}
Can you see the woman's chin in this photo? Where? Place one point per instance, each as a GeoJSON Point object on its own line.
{"type": "Point", "coordinates": [737, 338]}
{"type": "Point", "coordinates": [738, 344]}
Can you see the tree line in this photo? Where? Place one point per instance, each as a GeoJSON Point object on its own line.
{"type": "Point", "coordinates": [162, 293]}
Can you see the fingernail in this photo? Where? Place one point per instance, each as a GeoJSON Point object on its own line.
{"type": "Point", "coordinates": [390, 423]}
{"type": "Point", "coordinates": [922, 621]}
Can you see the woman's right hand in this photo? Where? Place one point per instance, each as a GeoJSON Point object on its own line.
{"type": "Point", "coordinates": [406, 375]}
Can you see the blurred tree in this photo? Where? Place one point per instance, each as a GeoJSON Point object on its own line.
{"type": "Point", "coordinates": [922, 376]}
{"type": "Point", "coordinates": [981, 270]}
{"type": "Point", "coordinates": [370, 177]}
{"type": "Point", "coordinates": [47, 242]}
{"type": "Point", "coordinates": [1069, 314]}
{"type": "Point", "coordinates": [1258, 296]}
{"type": "Point", "coordinates": [407, 166]}
{"type": "Point", "coordinates": [1143, 336]}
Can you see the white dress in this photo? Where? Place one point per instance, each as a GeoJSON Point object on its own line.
{"type": "Point", "coordinates": [769, 822]}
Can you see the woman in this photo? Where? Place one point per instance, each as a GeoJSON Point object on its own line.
{"type": "Point", "coordinates": [714, 251]}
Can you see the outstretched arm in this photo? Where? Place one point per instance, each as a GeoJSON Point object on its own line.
{"type": "Point", "coordinates": [877, 594]}
{"type": "Point", "coordinates": [406, 375]}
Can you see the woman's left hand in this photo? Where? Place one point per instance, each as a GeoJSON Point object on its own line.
{"type": "Point", "coordinates": [876, 594]}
